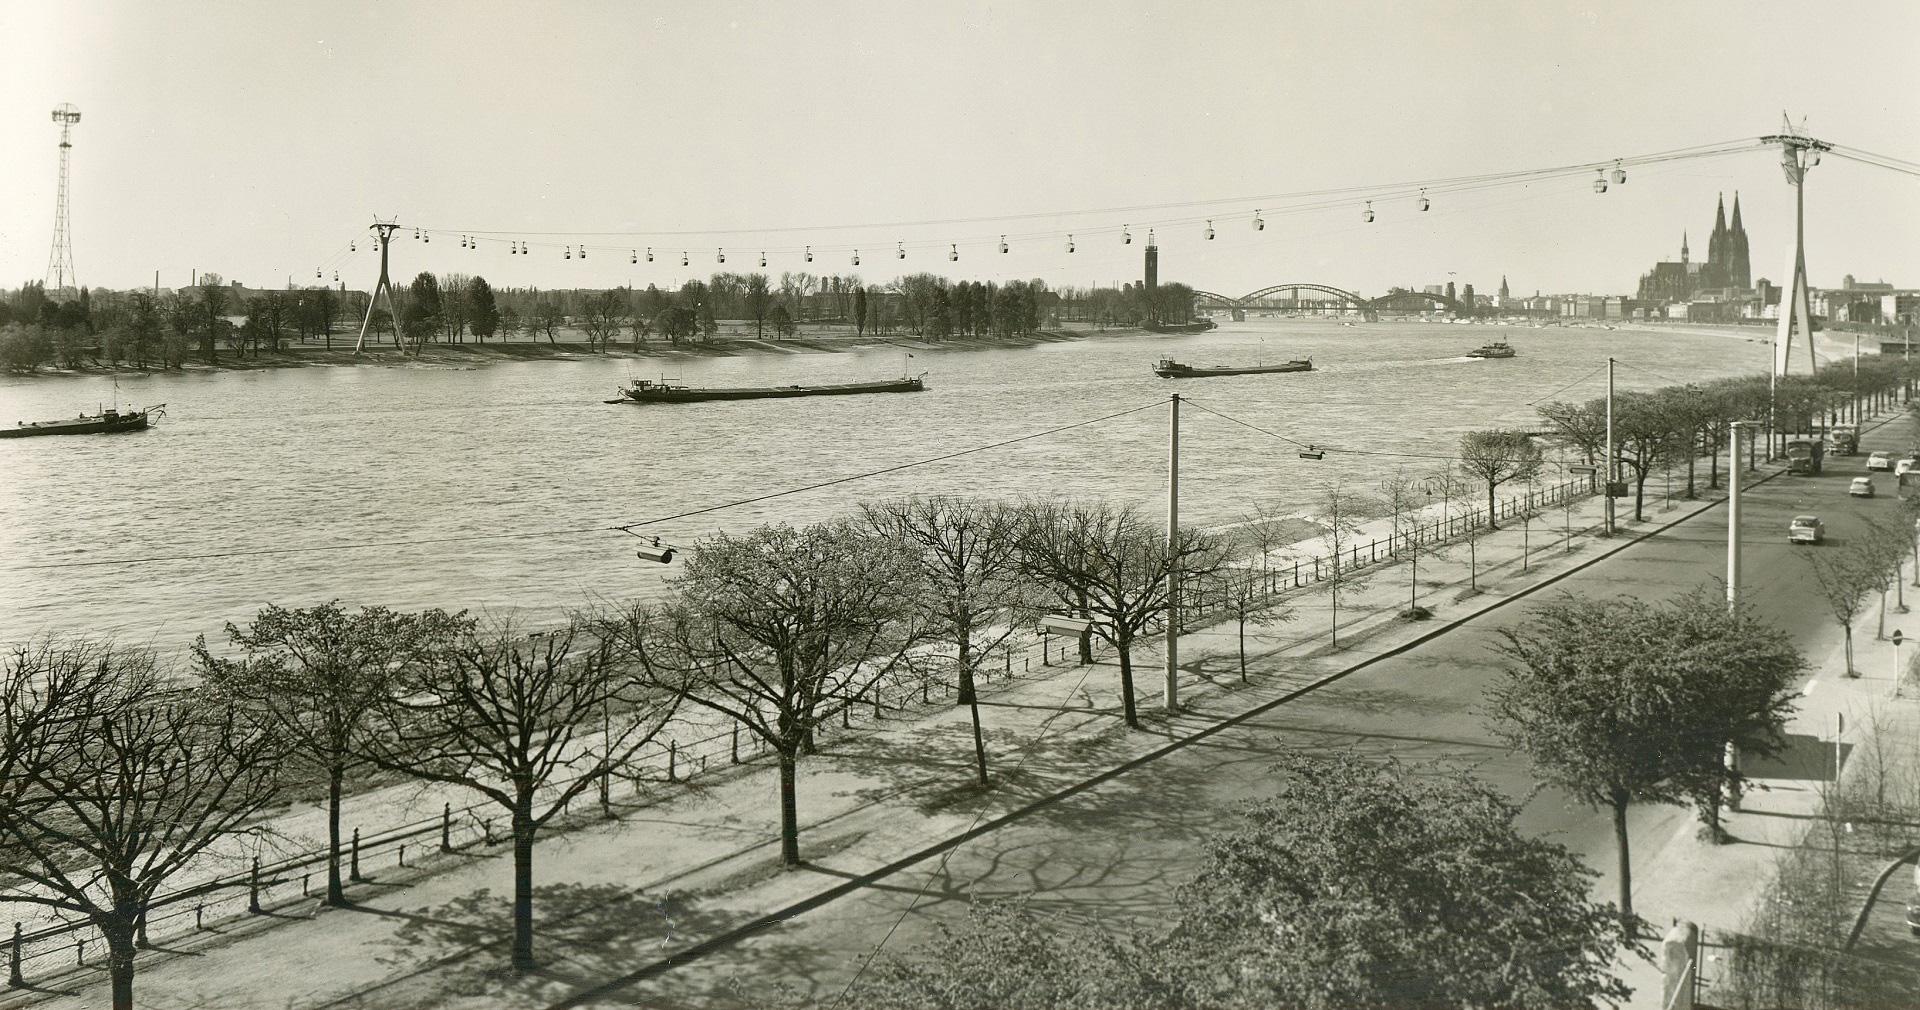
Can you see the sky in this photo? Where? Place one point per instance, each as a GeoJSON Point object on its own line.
{"type": "Point", "coordinates": [257, 140]}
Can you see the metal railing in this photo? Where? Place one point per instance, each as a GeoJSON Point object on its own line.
{"type": "Point", "coordinates": [924, 681]}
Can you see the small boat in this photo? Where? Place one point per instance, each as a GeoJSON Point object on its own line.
{"type": "Point", "coordinates": [1497, 349]}
{"type": "Point", "coordinates": [649, 391]}
{"type": "Point", "coordinates": [103, 423]}
{"type": "Point", "coordinates": [1167, 368]}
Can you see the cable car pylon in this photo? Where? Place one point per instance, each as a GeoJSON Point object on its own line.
{"type": "Point", "coordinates": [383, 236]}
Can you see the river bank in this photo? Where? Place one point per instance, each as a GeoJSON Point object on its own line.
{"type": "Point", "coordinates": [731, 340]}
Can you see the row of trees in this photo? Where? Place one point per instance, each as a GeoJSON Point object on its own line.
{"type": "Point", "coordinates": [1676, 425]}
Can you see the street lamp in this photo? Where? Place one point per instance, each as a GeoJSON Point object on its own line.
{"type": "Point", "coordinates": [1733, 513]}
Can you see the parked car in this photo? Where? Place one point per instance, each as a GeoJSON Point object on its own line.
{"type": "Point", "coordinates": [1806, 530]}
{"type": "Point", "coordinates": [1862, 487]}
{"type": "Point", "coordinates": [1913, 917]}
{"type": "Point", "coordinates": [1905, 464]}
{"type": "Point", "coordinates": [1880, 461]}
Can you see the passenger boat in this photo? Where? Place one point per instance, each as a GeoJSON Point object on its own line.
{"type": "Point", "coordinates": [1167, 368]}
{"type": "Point", "coordinates": [103, 423]}
{"type": "Point", "coordinates": [649, 391]}
{"type": "Point", "coordinates": [1497, 349]}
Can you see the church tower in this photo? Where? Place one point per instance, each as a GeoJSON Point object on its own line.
{"type": "Point", "coordinates": [1714, 275]}
{"type": "Point", "coordinates": [1503, 288]}
{"type": "Point", "coordinates": [1683, 247]}
{"type": "Point", "coordinates": [1739, 270]}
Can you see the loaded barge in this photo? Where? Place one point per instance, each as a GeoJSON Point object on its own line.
{"type": "Point", "coordinates": [649, 391]}
{"type": "Point", "coordinates": [1167, 368]}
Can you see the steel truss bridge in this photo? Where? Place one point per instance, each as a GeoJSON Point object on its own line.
{"type": "Point", "coordinates": [1339, 298]}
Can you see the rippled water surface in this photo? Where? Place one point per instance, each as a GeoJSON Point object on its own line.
{"type": "Point", "coordinates": [315, 457]}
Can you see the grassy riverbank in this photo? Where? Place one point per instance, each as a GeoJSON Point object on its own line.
{"type": "Point", "coordinates": [571, 344]}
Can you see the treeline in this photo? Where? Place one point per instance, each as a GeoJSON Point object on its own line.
{"type": "Point", "coordinates": [147, 330]}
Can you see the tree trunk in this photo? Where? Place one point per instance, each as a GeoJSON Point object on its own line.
{"type": "Point", "coordinates": [1690, 462]}
{"type": "Point", "coordinates": [336, 896]}
{"type": "Point", "coordinates": [1413, 584]}
{"type": "Point", "coordinates": [118, 930]}
{"type": "Point", "coordinates": [1086, 637]}
{"type": "Point", "coordinates": [1848, 626]}
{"type": "Point", "coordinates": [1713, 465]}
{"type": "Point", "coordinates": [1125, 648]}
{"type": "Point", "coordinates": [789, 811]}
{"type": "Point", "coordinates": [964, 693]}
{"type": "Point", "coordinates": [1243, 646]}
{"type": "Point", "coordinates": [1620, 801]}
{"type": "Point", "coordinates": [1640, 499]}
{"type": "Point", "coordinates": [1491, 511]}
{"type": "Point", "coordinates": [979, 742]}
{"type": "Point", "coordinates": [523, 829]}
{"type": "Point", "coordinates": [1333, 594]}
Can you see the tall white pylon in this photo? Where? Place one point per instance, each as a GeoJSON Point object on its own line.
{"type": "Point", "coordinates": [1798, 153]}
{"type": "Point", "coordinates": [61, 278]}
{"type": "Point", "coordinates": [383, 234]}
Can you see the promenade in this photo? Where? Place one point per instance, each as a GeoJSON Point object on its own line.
{"type": "Point", "coordinates": [681, 903]}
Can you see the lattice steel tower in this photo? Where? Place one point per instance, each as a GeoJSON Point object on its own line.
{"type": "Point", "coordinates": [60, 275]}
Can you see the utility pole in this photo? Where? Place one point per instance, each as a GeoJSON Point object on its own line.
{"type": "Point", "coordinates": [1610, 461]}
{"type": "Point", "coordinates": [1173, 554]}
{"type": "Point", "coordinates": [1856, 380]}
{"type": "Point", "coordinates": [1798, 153]}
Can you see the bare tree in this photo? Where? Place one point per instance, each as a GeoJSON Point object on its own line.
{"type": "Point", "coordinates": [1405, 495]}
{"type": "Point", "coordinates": [1243, 594]}
{"type": "Point", "coordinates": [606, 313]}
{"type": "Point", "coordinates": [508, 715]}
{"type": "Point", "coordinates": [1113, 566]}
{"type": "Point", "coordinates": [545, 319]}
{"type": "Point", "coordinates": [1845, 575]}
{"type": "Point", "coordinates": [115, 781]}
{"type": "Point", "coordinates": [1496, 457]}
{"type": "Point", "coordinates": [970, 589]}
{"type": "Point", "coordinates": [1339, 513]}
{"type": "Point", "coordinates": [778, 630]}
{"type": "Point", "coordinates": [758, 298]}
{"type": "Point", "coordinates": [315, 675]}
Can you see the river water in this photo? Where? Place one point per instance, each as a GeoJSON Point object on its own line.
{"type": "Point", "coordinates": [326, 456]}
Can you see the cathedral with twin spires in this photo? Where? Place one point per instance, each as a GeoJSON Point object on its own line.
{"type": "Point", "coordinates": [1726, 273]}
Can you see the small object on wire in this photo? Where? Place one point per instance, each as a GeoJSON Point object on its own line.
{"type": "Point", "coordinates": [901, 248]}
{"type": "Point", "coordinates": [1368, 216]}
{"type": "Point", "coordinates": [953, 252]}
{"type": "Point", "coordinates": [1424, 202]}
{"type": "Point", "coordinates": [719, 255]}
{"type": "Point", "coordinates": [1209, 230]}
{"type": "Point", "coordinates": [1069, 242]}
{"type": "Point", "coordinates": [809, 254]}
{"type": "Point", "coordinates": [1313, 452]}
{"type": "Point", "coordinates": [1599, 180]}
{"type": "Point", "coordinates": [1003, 243]}
{"type": "Point", "coordinates": [1259, 223]}
{"type": "Point", "coordinates": [1619, 173]}
{"type": "Point", "coordinates": [1126, 237]}
{"type": "Point", "coordinates": [856, 257]}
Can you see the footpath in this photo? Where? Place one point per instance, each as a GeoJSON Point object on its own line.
{"type": "Point", "coordinates": [695, 869]}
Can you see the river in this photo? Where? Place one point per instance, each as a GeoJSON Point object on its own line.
{"type": "Point", "coordinates": [325, 456]}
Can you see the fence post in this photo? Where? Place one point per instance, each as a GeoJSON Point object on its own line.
{"type": "Point", "coordinates": [14, 978]}
{"type": "Point", "coordinates": [734, 752]}
{"type": "Point", "coordinates": [306, 881]}
{"type": "Point", "coordinates": [253, 887]}
{"type": "Point", "coordinates": [446, 827]}
{"type": "Point", "coordinates": [199, 916]}
{"type": "Point", "coordinates": [353, 860]}
{"type": "Point", "coordinates": [845, 719]}
{"type": "Point", "coordinates": [403, 855]}
{"type": "Point", "coordinates": [80, 952]}
{"type": "Point", "coordinates": [673, 760]}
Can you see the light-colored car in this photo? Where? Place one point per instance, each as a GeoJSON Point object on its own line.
{"type": "Point", "coordinates": [1806, 530]}
{"type": "Point", "coordinates": [1905, 464]}
{"type": "Point", "coordinates": [1880, 461]}
{"type": "Point", "coordinates": [1862, 487]}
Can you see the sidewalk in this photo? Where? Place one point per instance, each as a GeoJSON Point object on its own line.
{"type": "Point", "coordinates": [613, 898]}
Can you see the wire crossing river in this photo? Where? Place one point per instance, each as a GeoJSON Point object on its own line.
{"type": "Point", "coordinates": [252, 462]}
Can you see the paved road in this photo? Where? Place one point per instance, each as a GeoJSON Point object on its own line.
{"type": "Point", "coordinates": [1119, 850]}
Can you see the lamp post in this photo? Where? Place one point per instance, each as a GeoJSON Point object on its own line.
{"type": "Point", "coordinates": [1733, 514]}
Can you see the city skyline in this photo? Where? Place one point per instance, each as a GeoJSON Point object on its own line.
{"type": "Point", "coordinates": [757, 129]}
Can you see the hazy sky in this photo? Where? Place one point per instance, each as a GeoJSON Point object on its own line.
{"type": "Point", "coordinates": [256, 139]}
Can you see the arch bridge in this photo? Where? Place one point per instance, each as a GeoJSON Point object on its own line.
{"type": "Point", "coordinates": [1342, 299]}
